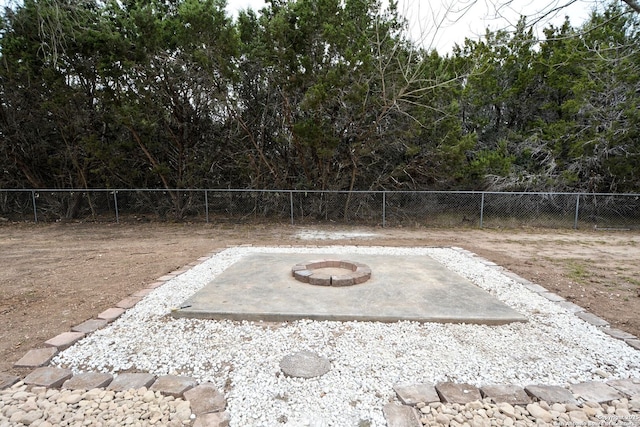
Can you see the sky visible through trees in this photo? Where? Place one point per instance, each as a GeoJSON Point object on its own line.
{"type": "Point", "coordinates": [441, 24]}
{"type": "Point", "coordinates": [312, 94]}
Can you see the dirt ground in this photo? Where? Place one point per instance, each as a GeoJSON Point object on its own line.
{"type": "Point", "coordinates": [55, 276]}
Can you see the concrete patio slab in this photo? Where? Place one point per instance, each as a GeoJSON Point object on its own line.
{"type": "Point", "coordinates": [260, 286]}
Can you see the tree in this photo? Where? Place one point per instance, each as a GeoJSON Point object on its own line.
{"type": "Point", "coordinates": [309, 94]}
{"type": "Point", "coordinates": [557, 115]}
{"type": "Point", "coordinates": [51, 113]}
{"type": "Point", "coordinates": [600, 148]}
{"type": "Point", "coordinates": [545, 10]}
{"type": "Point", "coordinates": [336, 94]}
{"type": "Point", "coordinates": [172, 99]}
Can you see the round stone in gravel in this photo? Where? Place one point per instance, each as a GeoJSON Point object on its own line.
{"type": "Point", "coordinates": [304, 364]}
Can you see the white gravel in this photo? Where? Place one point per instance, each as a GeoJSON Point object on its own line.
{"type": "Point", "coordinates": [333, 235]}
{"type": "Point", "coordinates": [242, 358]}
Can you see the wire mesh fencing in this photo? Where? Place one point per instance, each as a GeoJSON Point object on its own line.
{"type": "Point", "coordinates": [552, 210]}
{"type": "Point", "coordinates": [379, 208]}
{"type": "Point", "coordinates": [433, 208]}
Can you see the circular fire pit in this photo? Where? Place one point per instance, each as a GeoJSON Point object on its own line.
{"type": "Point", "coordinates": [331, 272]}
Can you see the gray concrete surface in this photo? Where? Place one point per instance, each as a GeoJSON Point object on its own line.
{"type": "Point", "coordinates": [417, 288]}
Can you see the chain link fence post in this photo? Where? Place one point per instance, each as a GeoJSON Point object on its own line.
{"type": "Point", "coordinates": [384, 209]}
{"type": "Point", "coordinates": [35, 209]}
{"type": "Point", "coordinates": [602, 211]}
{"type": "Point", "coordinates": [206, 205]}
{"type": "Point", "coordinates": [115, 205]}
{"type": "Point", "coordinates": [575, 221]}
{"type": "Point", "coordinates": [481, 209]}
{"type": "Point", "coordinates": [291, 205]}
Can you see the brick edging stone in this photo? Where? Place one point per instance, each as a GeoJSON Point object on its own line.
{"type": "Point", "coordinates": [580, 312]}
{"type": "Point", "coordinates": [206, 399]}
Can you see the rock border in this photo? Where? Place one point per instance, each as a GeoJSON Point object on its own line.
{"type": "Point", "coordinates": [358, 273]}
{"type": "Point", "coordinates": [209, 405]}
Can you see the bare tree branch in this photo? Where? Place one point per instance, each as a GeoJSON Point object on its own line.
{"type": "Point", "coordinates": [633, 5]}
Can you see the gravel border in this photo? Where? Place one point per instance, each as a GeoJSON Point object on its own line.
{"type": "Point", "coordinates": [555, 347]}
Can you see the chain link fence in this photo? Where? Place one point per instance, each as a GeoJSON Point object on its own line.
{"type": "Point", "coordinates": [381, 208]}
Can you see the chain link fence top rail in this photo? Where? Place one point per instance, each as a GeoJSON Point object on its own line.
{"type": "Point", "coordinates": [382, 208]}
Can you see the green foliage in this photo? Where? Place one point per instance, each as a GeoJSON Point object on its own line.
{"type": "Point", "coordinates": [310, 94]}
{"type": "Point", "coordinates": [490, 162]}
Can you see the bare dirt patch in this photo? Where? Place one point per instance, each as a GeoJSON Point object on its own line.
{"type": "Point", "coordinates": [55, 276]}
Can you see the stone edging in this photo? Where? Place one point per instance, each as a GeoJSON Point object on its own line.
{"type": "Point", "coordinates": [208, 402]}
{"type": "Point", "coordinates": [580, 312]}
{"type": "Point", "coordinates": [358, 273]}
